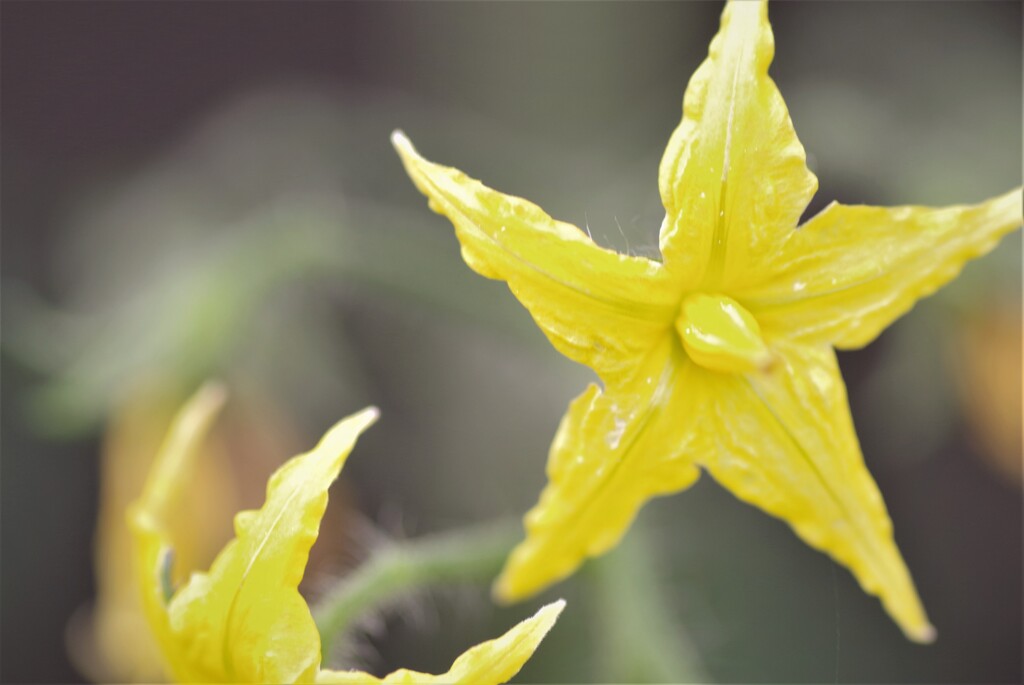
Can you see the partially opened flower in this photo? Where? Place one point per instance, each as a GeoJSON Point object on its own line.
{"type": "Point", "coordinates": [720, 356]}
{"type": "Point", "coordinates": [244, 620]}
{"type": "Point", "coordinates": [108, 639]}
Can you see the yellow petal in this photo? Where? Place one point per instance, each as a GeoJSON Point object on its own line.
{"type": "Point", "coordinates": [852, 270]}
{"type": "Point", "coordinates": [489, 663]}
{"type": "Point", "coordinates": [614, 451]}
{"type": "Point", "coordinates": [152, 517]}
{"type": "Point", "coordinates": [787, 445]}
{"type": "Point", "coordinates": [119, 646]}
{"type": "Point", "coordinates": [597, 307]}
{"type": "Point", "coordinates": [733, 179]}
{"type": "Point", "coordinates": [245, 620]}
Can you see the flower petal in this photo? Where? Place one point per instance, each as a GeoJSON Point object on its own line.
{"type": "Point", "coordinates": [245, 620]}
{"type": "Point", "coordinates": [120, 647]}
{"type": "Point", "coordinates": [614, 451]}
{"type": "Point", "coordinates": [849, 272]}
{"type": "Point", "coordinates": [598, 307]}
{"type": "Point", "coordinates": [489, 663]}
{"type": "Point", "coordinates": [733, 179]}
{"type": "Point", "coordinates": [152, 516]}
{"type": "Point", "coordinates": [786, 444]}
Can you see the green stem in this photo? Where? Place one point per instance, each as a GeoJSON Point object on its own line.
{"type": "Point", "coordinates": [643, 640]}
{"type": "Point", "coordinates": [469, 555]}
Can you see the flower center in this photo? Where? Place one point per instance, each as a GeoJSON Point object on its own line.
{"type": "Point", "coordinates": [719, 334]}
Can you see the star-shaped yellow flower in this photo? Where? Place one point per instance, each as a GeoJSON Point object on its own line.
{"type": "Point", "coordinates": [244, 621]}
{"type": "Point", "coordinates": [721, 355]}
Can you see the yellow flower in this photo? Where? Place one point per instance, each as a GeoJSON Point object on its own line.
{"type": "Point", "coordinates": [109, 641]}
{"type": "Point", "coordinates": [721, 355]}
{"type": "Point", "coordinates": [244, 620]}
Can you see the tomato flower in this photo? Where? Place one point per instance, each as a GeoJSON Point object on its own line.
{"type": "Point", "coordinates": [244, 620]}
{"type": "Point", "coordinates": [721, 355]}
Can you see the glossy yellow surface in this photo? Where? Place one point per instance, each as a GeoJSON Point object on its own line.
{"type": "Point", "coordinates": [244, 620]}
{"type": "Point", "coordinates": [719, 334]}
{"type": "Point", "coordinates": [774, 429]}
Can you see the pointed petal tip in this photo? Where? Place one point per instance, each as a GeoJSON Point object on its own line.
{"type": "Point", "coordinates": [372, 412]}
{"type": "Point", "coordinates": [554, 609]}
{"type": "Point", "coordinates": [752, 8]}
{"type": "Point", "coordinates": [411, 159]}
{"type": "Point", "coordinates": [338, 441]}
{"type": "Point", "coordinates": [747, 3]}
{"type": "Point", "coordinates": [541, 623]}
{"type": "Point", "coordinates": [923, 635]}
{"type": "Point", "coordinates": [544, 620]}
{"type": "Point", "coordinates": [401, 142]}
{"type": "Point", "coordinates": [210, 397]}
{"type": "Point", "coordinates": [362, 419]}
{"type": "Point", "coordinates": [1016, 200]}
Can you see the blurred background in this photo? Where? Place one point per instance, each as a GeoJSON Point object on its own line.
{"type": "Point", "coordinates": [196, 190]}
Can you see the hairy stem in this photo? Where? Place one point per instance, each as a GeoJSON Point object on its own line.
{"type": "Point", "coordinates": [471, 555]}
